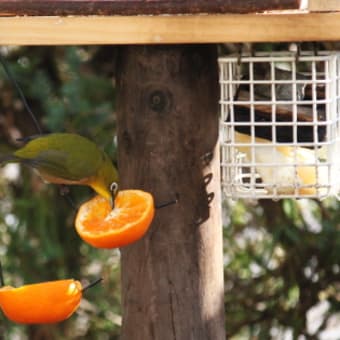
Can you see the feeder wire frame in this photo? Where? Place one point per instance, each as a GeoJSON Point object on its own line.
{"type": "Point", "coordinates": [255, 168]}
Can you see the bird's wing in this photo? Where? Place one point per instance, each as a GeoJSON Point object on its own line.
{"type": "Point", "coordinates": [55, 164]}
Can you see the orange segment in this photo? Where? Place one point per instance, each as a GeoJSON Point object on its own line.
{"type": "Point", "coordinates": [45, 302]}
{"type": "Point", "coordinates": [103, 227]}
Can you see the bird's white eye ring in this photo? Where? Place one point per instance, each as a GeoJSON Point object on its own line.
{"type": "Point", "coordinates": [114, 188]}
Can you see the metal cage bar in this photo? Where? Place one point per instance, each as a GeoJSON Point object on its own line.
{"type": "Point", "coordinates": [280, 125]}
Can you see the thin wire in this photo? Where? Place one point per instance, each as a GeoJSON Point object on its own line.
{"type": "Point", "coordinates": [2, 281]}
{"type": "Point", "coordinates": [64, 191]}
{"type": "Point", "coordinates": [166, 204]}
{"type": "Point", "coordinates": [14, 82]}
{"type": "Point", "coordinates": [35, 121]}
{"type": "Point", "coordinates": [91, 284]}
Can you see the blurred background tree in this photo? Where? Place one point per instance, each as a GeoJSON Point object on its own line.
{"type": "Point", "coordinates": [69, 89]}
{"type": "Point", "coordinates": [282, 272]}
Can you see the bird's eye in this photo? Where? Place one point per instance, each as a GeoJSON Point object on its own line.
{"type": "Point", "coordinates": [114, 188]}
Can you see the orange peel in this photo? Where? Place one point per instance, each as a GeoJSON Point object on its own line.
{"type": "Point", "coordinates": [46, 302]}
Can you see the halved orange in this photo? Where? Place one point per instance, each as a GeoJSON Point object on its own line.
{"type": "Point", "coordinates": [46, 302]}
{"type": "Point", "coordinates": [103, 227]}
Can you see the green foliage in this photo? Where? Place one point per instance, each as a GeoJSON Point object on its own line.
{"type": "Point", "coordinates": [38, 241]}
{"type": "Point", "coordinates": [282, 261]}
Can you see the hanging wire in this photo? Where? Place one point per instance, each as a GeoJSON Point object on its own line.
{"type": "Point", "coordinates": [2, 281]}
{"type": "Point", "coordinates": [15, 83]}
{"type": "Point", "coordinates": [64, 191]}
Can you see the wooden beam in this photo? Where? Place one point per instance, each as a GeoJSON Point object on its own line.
{"type": "Point", "coordinates": [169, 29]}
{"type": "Point", "coordinates": [324, 5]}
{"type": "Point", "coordinates": [138, 7]}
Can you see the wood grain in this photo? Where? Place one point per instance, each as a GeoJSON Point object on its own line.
{"type": "Point", "coordinates": [169, 29]}
{"type": "Point", "coordinates": [172, 279]}
{"type": "Point", "coordinates": [137, 7]}
{"type": "Point", "coordinates": [324, 5]}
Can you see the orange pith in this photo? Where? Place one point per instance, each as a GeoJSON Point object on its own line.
{"type": "Point", "coordinates": [102, 227]}
{"type": "Point", "coordinates": [46, 302]}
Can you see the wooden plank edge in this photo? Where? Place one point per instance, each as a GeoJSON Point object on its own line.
{"type": "Point", "coordinates": [323, 5]}
{"type": "Point", "coordinates": [99, 30]}
{"type": "Point", "coordinates": [139, 7]}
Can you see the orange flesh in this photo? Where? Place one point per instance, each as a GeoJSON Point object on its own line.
{"type": "Point", "coordinates": [102, 227]}
{"type": "Point", "coordinates": [46, 302]}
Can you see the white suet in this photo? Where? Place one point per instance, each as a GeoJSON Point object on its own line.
{"type": "Point", "coordinates": [290, 169]}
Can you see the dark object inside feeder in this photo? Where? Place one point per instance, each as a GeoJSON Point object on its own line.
{"type": "Point", "coordinates": [283, 133]}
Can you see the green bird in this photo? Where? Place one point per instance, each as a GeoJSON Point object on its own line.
{"type": "Point", "coordinates": [65, 158]}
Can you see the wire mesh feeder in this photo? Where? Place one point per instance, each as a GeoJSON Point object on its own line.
{"type": "Point", "coordinates": [280, 125]}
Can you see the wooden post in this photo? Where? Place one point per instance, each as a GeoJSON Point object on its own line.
{"type": "Point", "coordinates": [172, 279]}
